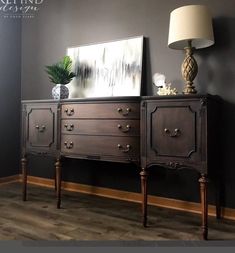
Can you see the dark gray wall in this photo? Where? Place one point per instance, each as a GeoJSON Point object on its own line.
{"type": "Point", "coordinates": [10, 93]}
{"type": "Point", "coordinates": [61, 24]}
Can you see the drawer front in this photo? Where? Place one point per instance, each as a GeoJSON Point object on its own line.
{"type": "Point", "coordinates": [100, 146]}
{"type": "Point", "coordinates": [101, 110]}
{"type": "Point", "coordinates": [175, 130]}
{"type": "Point", "coordinates": [41, 127]}
{"type": "Point", "coordinates": [101, 127]}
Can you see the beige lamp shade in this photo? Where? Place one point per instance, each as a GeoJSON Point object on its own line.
{"type": "Point", "coordinates": [192, 22]}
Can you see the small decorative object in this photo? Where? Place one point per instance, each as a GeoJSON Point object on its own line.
{"type": "Point", "coordinates": [190, 29]}
{"type": "Point", "coordinates": [107, 69]}
{"type": "Point", "coordinates": [60, 91]}
{"type": "Point", "coordinates": [159, 80]}
{"type": "Point", "coordinates": [60, 74]}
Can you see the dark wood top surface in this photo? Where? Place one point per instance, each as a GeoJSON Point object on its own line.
{"type": "Point", "coordinates": [123, 98]}
{"type": "Point", "coordinates": [81, 100]}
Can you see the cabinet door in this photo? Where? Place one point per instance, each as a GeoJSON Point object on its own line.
{"type": "Point", "coordinates": [176, 131]}
{"type": "Point", "coordinates": [41, 127]}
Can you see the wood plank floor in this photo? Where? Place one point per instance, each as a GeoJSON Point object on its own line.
{"type": "Point", "coordinates": [85, 217]}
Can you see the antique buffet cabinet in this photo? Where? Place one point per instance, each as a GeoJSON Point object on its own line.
{"type": "Point", "coordinates": [176, 132]}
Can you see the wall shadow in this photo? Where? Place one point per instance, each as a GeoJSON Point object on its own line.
{"type": "Point", "coordinates": [146, 70]}
{"type": "Point", "coordinates": [216, 70]}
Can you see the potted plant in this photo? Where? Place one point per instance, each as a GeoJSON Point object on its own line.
{"type": "Point", "coordinates": [61, 74]}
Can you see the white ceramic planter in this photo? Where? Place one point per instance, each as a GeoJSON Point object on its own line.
{"type": "Point", "coordinates": [60, 91]}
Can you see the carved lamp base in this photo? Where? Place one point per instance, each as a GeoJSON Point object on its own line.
{"type": "Point", "coordinates": [189, 70]}
{"type": "Point", "coordinates": [189, 89]}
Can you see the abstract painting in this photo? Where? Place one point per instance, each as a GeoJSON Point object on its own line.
{"type": "Point", "coordinates": [107, 69]}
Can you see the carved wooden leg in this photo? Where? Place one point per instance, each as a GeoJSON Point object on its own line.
{"type": "Point", "coordinates": [58, 182]}
{"type": "Point", "coordinates": [55, 182]}
{"type": "Point", "coordinates": [144, 176]}
{"type": "Point", "coordinates": [204, 204]}
{"type": "Point", "coordinates": [24, 177]}
{"type": "Point", "coordinates": [218, 199]}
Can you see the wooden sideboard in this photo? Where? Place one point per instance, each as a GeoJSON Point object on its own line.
{"type": "Point", "coordinates": [176, 132]}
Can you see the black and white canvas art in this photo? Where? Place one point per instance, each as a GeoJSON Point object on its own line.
{"type": "Point", "coordinates": [107, 69]}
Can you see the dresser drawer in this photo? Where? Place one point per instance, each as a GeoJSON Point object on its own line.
{"type": "Point", "coordinates": [101, 110]}
{"type": "Point", "coordinates": [101, 127]}
{"type": "Point", "coordinates": [100, 146]}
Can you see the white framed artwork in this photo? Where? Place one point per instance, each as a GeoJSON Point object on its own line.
{"type": "Point", "coordinates": [107, 69]}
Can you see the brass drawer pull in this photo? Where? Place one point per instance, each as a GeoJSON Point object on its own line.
{"type": "Point", "coordinates": [128, 148]}
{"type": "Point", "coordinates": [69, 112]}
{"type": "Point", "coordinates": [41, 153]}
{"type": "Point", "coordinates": [128, 128]}
{"type": "Point", "coordinates": [124, 113]}
{"type": "Point", "coordinates": [40, 129]}
{"type": "Point", "coordinates": [69, 128]}
{"type": "Point", "coordinates": [174, 165]}
{"type": "Point", "coordinates": [68, 145]}
{"type": "Point", "coordinates": [176, 133]}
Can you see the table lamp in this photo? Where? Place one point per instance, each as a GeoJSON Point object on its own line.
{"type": "Point", "coordinates": [190, 29]}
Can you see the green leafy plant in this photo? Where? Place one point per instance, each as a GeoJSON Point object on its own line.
{"type": "Point", "coordinates": [60, 73]}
